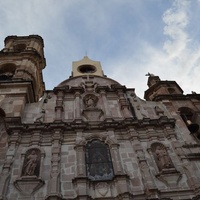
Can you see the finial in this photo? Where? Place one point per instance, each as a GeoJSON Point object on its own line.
{"type": "Point", "coordinates": [150, 75]}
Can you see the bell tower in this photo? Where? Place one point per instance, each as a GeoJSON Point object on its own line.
{"type": "Point", "coordinates": [86, 67]}
{"type": "Point", "coordinates": [159, 90]}
{"type": "Point", "coordinates": [21, 64]}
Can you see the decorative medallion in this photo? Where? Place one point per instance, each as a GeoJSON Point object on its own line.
{"type": "Point", "coordinates": [102, 188]}
{"type": "Point", "coordinates": [90, 100]}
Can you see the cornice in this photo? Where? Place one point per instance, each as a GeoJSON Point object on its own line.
{"type": "Point", "coordinates": [176, 97]}
{"type": "Point", "coordinates": [27, 53]}
{"type": "Point", "coordinates": [13, 124]}
{"type": "Point", "coordinates": [159, 84]}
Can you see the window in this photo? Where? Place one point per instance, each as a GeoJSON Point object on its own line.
{"type": "Point", "coordinates": [98, 161]}
{"type": "Point", "coordinates": [187, 115]}
{"type": "Point", "coordinates": [7, 71]}
{"type": "Point", "coordinates": [171, 90]}
{"type": "Point", "coordinates": [20, 47]}
{"type": "Point", "coordinates": [86, 69]}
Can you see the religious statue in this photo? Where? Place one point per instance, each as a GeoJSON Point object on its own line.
{"type": "Point", "coordinates": [30, 164]}
{"type": "Point", "coordinates": [163, 158]}
{"type": "Point", "coordinates": [149, 74]}
{"type": "Point", "coordinates": [90, 100]}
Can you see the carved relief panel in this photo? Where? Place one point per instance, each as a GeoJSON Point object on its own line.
{"type": "Point", "coordinates": [90, 101]}
{"type": "Point", "coordinates": [167, 171]}
{"type": "Point", "coordinates": [91, 112]}
{"type": "Point", "coordinates": [161, 156]}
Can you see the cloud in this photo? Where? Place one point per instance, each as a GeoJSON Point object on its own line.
{"type": "Point", "coordinates": [176, 20]}
{"type": "Point", "coordinates": [181, 49]}
{"type": "Point", "coordinates": [178, 60]}
{"type": "Point", "coordinates": [126, 36]}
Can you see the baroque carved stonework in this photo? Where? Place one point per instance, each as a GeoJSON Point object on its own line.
{"type": "Point", "coordinates": [90, 100]}
{"type": "Point", "coordinates": [161, 156]}
{"type": "Point", "coordinates": [102, 189]}
{"type": "Point", "coordinates": [91, 112]}
{"type": "Point", "coordinates": [31, 165]}
{"type": "Point", "coordinates": [30, 180]}
{"type": "Point", "coordinates": [28, 185]}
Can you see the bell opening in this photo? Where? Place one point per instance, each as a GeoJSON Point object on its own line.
{"type": "Point", "coordinates": [193, 128]}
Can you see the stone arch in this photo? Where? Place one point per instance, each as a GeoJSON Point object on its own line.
{"type": "Point", "coordinates": [186, 113]}
{"type": "Point", "coordinates": [102, 137]}
{"type": "Point", "coordinates": [7, 71]}
{"type": "Point", "coordinates": [19, 47]}
{"type": "Point", "coordinates": [171, 90]}
{"type": "Point", "coordinates": [2, 113]}
{"type": "Point", "coordinates": [189, 116]}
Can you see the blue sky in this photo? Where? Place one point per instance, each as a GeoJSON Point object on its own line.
{"type": "Point", "coordinates": [129, 37]}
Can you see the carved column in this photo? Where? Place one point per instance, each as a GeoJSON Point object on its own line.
{"type": "Point", "coordinates": [6, 170]}
{"type": "Point", "coordinates": [147, 178]}
{"type": "Point", "coordinates": [80, 152]}
{"type": "Point", "coordinates": [81, 180]}
{"type": "Point", "coordinates": [192, 175]}
{"type": "Point", "coordinates": [36, 138]}
{"type": "Point", "coordinates": [59, 106]}
{"type": "Point", "coordinates": [105, 104]}
{"type": "Point", "coordinates": [77, 105]}
{"type": "Point", "coordinates": [170, 133]}
{"type": "Point", "coordinates": [116, 157]}
{"type": "Point", "coordinates": [54, 182]}
{"type": "Point", "coordinates": [124, 105]}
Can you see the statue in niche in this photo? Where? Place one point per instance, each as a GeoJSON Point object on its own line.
{"type": "Point", "coordinates": [31, 164]}
{"type": "Point", "coordinates": [90, 101]}
{"type": "Point", "coordinates": [163, 159]}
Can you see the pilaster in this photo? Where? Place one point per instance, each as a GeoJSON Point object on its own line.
{"type": "Point", "coordinates": [54, 182]}
{"type": "Point", "coordinates": [14, 141]}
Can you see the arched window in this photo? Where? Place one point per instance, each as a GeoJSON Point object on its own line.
{"type": "Point", "coordinates": [98, 161]}
{"type": "Point", "coordinates": [187, 115]}
{"type": "Point", "coordinates": [171, 90]}
{"type": "Point", "coordinates": [7, 71]}
{"type": "Point", "coordinates": [19, 47]}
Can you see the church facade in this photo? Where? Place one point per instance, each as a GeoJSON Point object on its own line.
{"type": "Point", "coordinates": [91, 137]}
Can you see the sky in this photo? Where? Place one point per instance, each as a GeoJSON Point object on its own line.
{"type": "Point", "coordinates": [129, 37]}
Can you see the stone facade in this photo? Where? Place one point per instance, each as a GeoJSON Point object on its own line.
{"type": "Point", "coordinates": [90, 137]}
